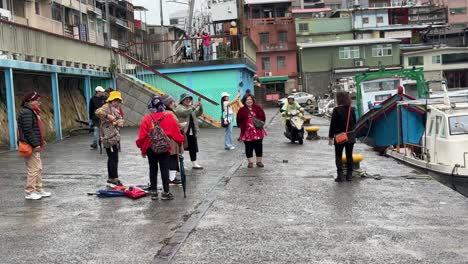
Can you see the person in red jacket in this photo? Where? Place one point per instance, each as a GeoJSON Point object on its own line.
{"type": "Point", "coordinates": [251, 135]}
{"type": "Point", "coordinates": [170, 126]}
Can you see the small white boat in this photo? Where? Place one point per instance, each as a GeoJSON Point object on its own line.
{"type": "Point", "coordinates": [443, 149]}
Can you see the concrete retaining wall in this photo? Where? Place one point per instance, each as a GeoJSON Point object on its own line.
{"type": "Point", "coordinates": [135, 100]}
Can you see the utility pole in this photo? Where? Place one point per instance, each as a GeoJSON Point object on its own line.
{"type": "Point", "coordinates": [191, 5]}
{"type": "Point", "coordinates": [162, 31]}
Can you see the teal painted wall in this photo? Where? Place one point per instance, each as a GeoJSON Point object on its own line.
{"type": "Point", "coordinates": [209, 83]}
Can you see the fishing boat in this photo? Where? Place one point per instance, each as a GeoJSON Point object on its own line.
{"type": "Point", "coordinates": [377, 96]}
{"type": "Point", "coordinates": [442, 150]}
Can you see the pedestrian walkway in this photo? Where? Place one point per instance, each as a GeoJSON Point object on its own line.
{"type": "Point", "coordinates": [291, 211]}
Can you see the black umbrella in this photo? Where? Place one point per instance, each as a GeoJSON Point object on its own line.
{"type": "Point", "coordinates": [182, 173]}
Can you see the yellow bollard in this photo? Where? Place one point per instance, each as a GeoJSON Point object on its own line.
{"type": "Point", "coordinates": [312, 132]}
{"type": "Point", "coordinates": [357, 158]}
{"type": "Point", "coordinates": [307, 120]}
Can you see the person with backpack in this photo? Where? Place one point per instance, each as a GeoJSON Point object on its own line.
{"type": "Point", "coordinates": [156, 131]}
{"type": "Point", "coordinates": [111, 122]}
{"type": "Point", "coordinates": [31, 133]}
{"type": "Point", "coordinates": [227, 115]}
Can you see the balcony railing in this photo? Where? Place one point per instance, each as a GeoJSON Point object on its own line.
{"type": "Point", "coordinates": [285, 46]}
{"type": "Point", "coordinates": [272, 21]}
{"type": "Point", "coordinates": [223, 47]}
{"type": "Point", "coordinates": [30, 44]}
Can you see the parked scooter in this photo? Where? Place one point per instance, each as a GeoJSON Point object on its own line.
{"type": "Point", "coordinates": [295, 126]}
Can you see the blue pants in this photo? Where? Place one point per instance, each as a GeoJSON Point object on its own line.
{"type": "Point", "coordinates": [206, 53]}
{"type": "Point", "coordinates": [228, 136]}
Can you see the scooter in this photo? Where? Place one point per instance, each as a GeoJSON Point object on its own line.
{"type": "Point", "coordinates": [295, 126]}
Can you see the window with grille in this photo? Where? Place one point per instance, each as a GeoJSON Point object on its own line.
{"type": "Point", "coordinates": [282, 37]}
{"type": "Point", "coordinates": [416, 61]}
{"type": "Point", "coordinates": [264, 38]}
{"type": "Point", "coordinates": [382, 50]}
{"type": "Point", "coordinates": [266, 63]}
{"type": "Point", "coordinates": [281, 62]}
{"type": "Point", "coordinates": [349, 53]}
{"type": "Point", "coordinates": [303, 27]}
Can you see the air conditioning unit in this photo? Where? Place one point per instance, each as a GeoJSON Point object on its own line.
{"type": "Point", "coordinates": [359, 63]}
{"type": "Point", "coordinates": [268, 74]}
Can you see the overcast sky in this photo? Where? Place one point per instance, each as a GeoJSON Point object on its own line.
{"type": "Point", "coordinates": [152, 15]}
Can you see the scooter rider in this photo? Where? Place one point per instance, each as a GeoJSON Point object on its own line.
{"type": "Point", "coordinates": [290, 105]}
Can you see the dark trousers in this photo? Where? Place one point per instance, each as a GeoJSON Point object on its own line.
{"type": "Point", "coordinates": [163, 160]}
{"type": "Point", "coordinates": [349, 156]}
{"type": "Point", "coordinates": [174, 162]}
{"type": "Point", "coordinates": [112, 161]}
{"type": "Point", "coordinates": [256, 145]}
{"type": "Point", "coordinates": [192, 147]}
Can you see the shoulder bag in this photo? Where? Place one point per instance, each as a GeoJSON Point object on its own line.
{"type": "Point", "coordinates": [259, 124]}
{"type": "Point", "coordinates": [342, 138]}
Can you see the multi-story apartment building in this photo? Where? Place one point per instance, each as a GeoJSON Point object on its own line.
{"type": "Point", "coordinates": [457, 11]}
{"type": "Point", "coordinates": [79, 19]}
{"type": "Point", "coordinates": [271, 27]}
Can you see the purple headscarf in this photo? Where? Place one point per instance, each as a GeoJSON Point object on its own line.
{"type": "Point", "coordinates": [156, 105]}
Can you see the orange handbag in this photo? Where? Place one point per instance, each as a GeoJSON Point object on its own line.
{"type": "Point", "coordinates": [342, 138]}
{"type": "Point", "coordinates": [24, 149]}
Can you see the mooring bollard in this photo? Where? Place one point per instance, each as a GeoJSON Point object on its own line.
{"type": "Point", "coordinates": [307, 120]}
{"type": "Point", "coordinates": [357, 158]}
{"type": "Point", "coordinates": [312, 132]}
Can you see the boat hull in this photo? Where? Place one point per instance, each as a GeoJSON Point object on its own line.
{"type": "Point", "coordinates": [389, 125]}
{"type": "Point", "coordinates": [453, 177]}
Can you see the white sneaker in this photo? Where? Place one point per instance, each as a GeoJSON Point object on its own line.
{"type": "Point", "coordinates": [44, 194]}
{"type": "Point", "coordinates": [196, 166]}
{"type": "Point", "coordinates": [232, 148]}
{"type": "Point", "coordinates": [33, 196]}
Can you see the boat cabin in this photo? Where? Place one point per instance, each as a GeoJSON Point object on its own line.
{"type": "Point", "coordinates": [446, 137]}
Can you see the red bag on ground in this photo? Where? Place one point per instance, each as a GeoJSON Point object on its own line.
{"type": "Point", "coordinates": [135, 192]}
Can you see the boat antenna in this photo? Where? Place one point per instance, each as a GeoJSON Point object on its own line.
{"type": "Point", "coordinates": [446, 96]}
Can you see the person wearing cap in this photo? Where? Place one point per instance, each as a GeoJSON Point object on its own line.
{"type": "Point", "coordinates": [111, 122]}
{"type": "Point", "coordinates": [96, 102]}
{"type": "Point", "coordinates": [227, 115]}
{"type": "Point", "coordinates": [169, 125]}
{"type": "Point", "coordinates": [176, 147]}
{"type": "Point", "coordinates": [31, 132]}
{"type": "Point", "coordinates": [235, 39]}
{"type": "Point", "coordinates": [187, 112]}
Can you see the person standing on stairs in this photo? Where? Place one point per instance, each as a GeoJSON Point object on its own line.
{"type": "Point", "coordinates": [187, 112]}
{"type": "Point", "coordinates": [96, 102]}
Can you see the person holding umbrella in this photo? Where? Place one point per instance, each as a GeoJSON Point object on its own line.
{"type": "Point", "coordinates": [187, 112]}
{"type": "Point", "coordinates": [150, 143]}
{"type": "Point", "coordinates": [176, 148]}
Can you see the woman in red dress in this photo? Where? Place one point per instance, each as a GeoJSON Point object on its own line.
{"type": "Point", "coordinates": [251, 135]}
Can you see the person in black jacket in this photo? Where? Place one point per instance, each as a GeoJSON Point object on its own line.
{"type": "Point", "coordinates": [31, 132]}
{"type": "Point", "coordinates": [338, 124]}
{"type": "Point", "coordinates": [95, 103]}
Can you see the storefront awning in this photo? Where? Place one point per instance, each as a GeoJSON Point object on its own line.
{"type": "Point", "coordinates": [273, 79]}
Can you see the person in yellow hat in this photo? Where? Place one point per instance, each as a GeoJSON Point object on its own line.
{"type": "Point", "coordinates": [111, 122]}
